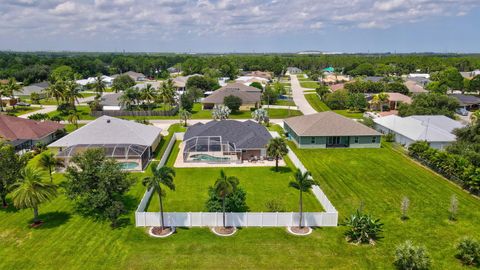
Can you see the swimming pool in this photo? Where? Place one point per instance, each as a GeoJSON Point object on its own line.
{"type": "Point", "coordinates": [206, 157]}
{"type": "Point", "coordinates": [129, 165]}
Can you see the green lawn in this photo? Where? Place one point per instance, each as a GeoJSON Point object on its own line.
{"type": "Point", "coordinates": [309, 84]}
{"type": "Point", "coordinates": [349, 114]}
{"type": "Point", "coordinates": [71, 127]}
{"type": "Point", "coordinates": [316, 103]}
{"type": "Point", "coordinates": [84, 113]}
{"type": "Point", "coordinates": [19, 110]}
{"type": "Point", "coordinates": [262, 184]}
{"type": "Point", "coordinates": [162, 146]}
{"type": "Point", "coordinates": [283, 102]}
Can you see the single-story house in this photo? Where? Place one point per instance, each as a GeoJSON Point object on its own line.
{"type": "Point", "coordinates": [469, 102]}
{"type": "Point", "coordinates": [107, 80]}
{"type": "Point", "coordinates": [394, 99]}
{"type": "Point", "coordinates": [225, 141]}
{"type": "Point", "coordinates": [129, 142]}
{"type": "Point", "coordinates": [293, 70]}
{"type": "Point", "coordinates": [331, 78]}
{"type": "Point", "coordinates": [250, 96]}
{"type": "Point", "coordinates": [419, 75]}
{"type": "Point", "coordinates": [154, 84]}
{"type": "Point", "coordinates": [138, 77]}
{"type": "Point", "coordinates": [111, 102]}
{"type": "Point", "coordinates": [414, 87]}
{"type": "Point", "coordinates": [330, 130]}
{"type": "Point", "coordinates": [262, 74]}
{"type": "Point", "coordinates": [435, 129]}
{"type": "Point", "coordinates": [180, 82]}
{"type": "Point", "coordinates": [470, 74]}
{"type": "Point", "coordinates": [247, 80]}
{"type": "Point", "coordinates": [37, 88]}
{"type": "Point", "coordinates": [23, 134]}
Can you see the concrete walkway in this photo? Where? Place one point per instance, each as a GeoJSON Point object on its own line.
{"type": "Point", "coordinates": [46, 109]}
{"type": "Point", "coordinates": [279, 107]}
{"type": "Point", "coordinates": [299, 98]}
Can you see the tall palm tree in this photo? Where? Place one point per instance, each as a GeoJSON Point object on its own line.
{"type": "Point", "coordinates": [73, 117]}
{"type": "Point", "coordinates": [303, 182]}
{"type": "Point", "coordinates": [55, 90]}
{"type": "Point", "coordinates": [11, 87]}
{"type": "Point", "coordinates": [71, 93]}
{"type": "Point", "coordinates": [167, 92]}
{"type": "Point", "coordinates": [160, 176]}
{"type": "Point", "coordinates": [3, 92]}
{"type": "Point", "coordinates": [224, 186]}
{"type": "Point", "coordinates": [148, 93]}
{"type": "Point", "coordinates": [277, 148]}
{"type": "Point", "coordinates": [129, 98]}
{"type": "Point", "coordinates": [184, 116]}
{"type": "Point", "coordinates": [49, 162]}
{"type": "Point", "coordinates": [30, 191]}
{"type": "Point", "coordinates": [99, 86]}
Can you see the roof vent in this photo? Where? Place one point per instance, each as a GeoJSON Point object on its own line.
{"type": "Point", "coordinates": [108, 120]}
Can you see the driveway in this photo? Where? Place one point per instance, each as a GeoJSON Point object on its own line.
{"type": "Point", "coordinates": [299, 98]}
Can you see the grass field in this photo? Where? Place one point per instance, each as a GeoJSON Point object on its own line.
{"type": "Point", "coordinates": [309, 84]}
{"type": "Point", "coordinates": [377, 177]}
{"type": "Point", "coordinates": [19, 110]}
{"type": "Point", "coordinates": [316, 103]}
{"type": "Point", "coordinates": [84, 113]}
{"type": "Point", "coordinates": [349, 114]}
{"type": "Point", "coordinates": [283, 102]}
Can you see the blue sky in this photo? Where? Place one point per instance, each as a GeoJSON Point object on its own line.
{"type": "Point", "coordinates": [241, 25]}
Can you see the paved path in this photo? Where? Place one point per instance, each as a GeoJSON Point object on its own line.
{"type": "Point", "coordinates": [280, 107]}
{"type": "Point", "coordinates": [46, 109]}
{"type": "Point", "coordinates": [299, 98]}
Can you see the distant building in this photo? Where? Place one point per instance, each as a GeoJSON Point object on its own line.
{"type": "Point", "coordinates": [247, 80]}
{"type": "Point", "coordinates": [111, 102]}
{"type": "Point", "coordinates": [138, 77]}
{"type": "Point", "coordinates": [419, 75]}
{"type": "Point", "coordinates": [261, 74]}
{"type": "Point", "coordinates": [180, 82]}
{"type": "Point", "coordinates": [293, 71]}
{"type": "Point", "coordinates": [373, 78]}
{"type": "Point", "coordinates": [37, 88]}
{"type": "Point", "coordinates": [250, 96]}
{"type": "Point", "coordinates": [470, 74]}
{"type": "Point", "coordinates": [107, 80]}
{"type": "Point", "coordinates": [435, 129]}
{"type": "Point", "coordinates": [415, 88]}
{"type": "Point", "coordinates": [468, 102]}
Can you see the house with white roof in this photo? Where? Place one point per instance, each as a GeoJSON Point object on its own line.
{"type": "Point", "coordinates": [130, 143]}
{"type": "Point", "coordinates": [247, 80]}
{"type": "Point", "coordinates": [437, 130]}
{"type": "Point", "coordinates": [107, 80]}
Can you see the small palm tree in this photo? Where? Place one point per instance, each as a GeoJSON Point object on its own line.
{"type": "Point", "coordinates": [149, 95]}
{"type": "Point", "coordinates": [11, 87]}
{"type": "Point", "coordinates": [167, 92]}
{"type": "Point", "coordinates": [99, 86]}
{"type": "Point", "coordinates": [224, 186]}
{"type": "Point", "coordinates": [30, 191]}
{"type": "Point", "coordinates": [303, 182]}
{"type": "Point", "coordinates": [160, 176]}
{"type": "Point", "coordinates": [56, 91]}
{"type": "Point", "coordinates": [73, 117]}
{"type": "Point", "coordinates": [49, 162]}
{"type": "Point", "coordinates": [277, 148]}
{"type": "Point", "coordinates": [184, 116]}
{"type": "Point", "coordinates": [71, 93]}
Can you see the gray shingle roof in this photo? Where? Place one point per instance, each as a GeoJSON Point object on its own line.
{"type": "Point", "coordinates": [248, 94]}
{"type": "Point", "coordinates": [111, 99]}
{"type": "Point", "coordinates": [245, 135]}
{"type": "Point", "coordinates": [34, 88]}
{"type": "Point", "coordinates": [466, 100]}
{"type": "Point", "coordinates": [327, 124]}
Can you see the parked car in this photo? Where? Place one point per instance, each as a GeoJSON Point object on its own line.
{"type": "Point", "coordinates": [462, 111]}
{"type": "Point", "coordinates": [23, 104]}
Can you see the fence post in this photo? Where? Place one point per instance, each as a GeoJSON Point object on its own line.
{"type": "Point", "coordinates": [261, 222]}
{"type": "Point", "coordinates": [276, 219]}
{"type": "Point", "coordinates": [144, 219]}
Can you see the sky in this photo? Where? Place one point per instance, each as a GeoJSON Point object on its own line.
{"type": "Point", "coordinates": [222, 26]}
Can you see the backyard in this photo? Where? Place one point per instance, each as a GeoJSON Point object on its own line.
{"type": "Point", "coordinates": [374, 178]}
{"type": "Point", "coordinates": [318, 105]}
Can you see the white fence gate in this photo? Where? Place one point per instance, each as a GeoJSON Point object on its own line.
{"type": "Point", "coordinates": [329, 218]}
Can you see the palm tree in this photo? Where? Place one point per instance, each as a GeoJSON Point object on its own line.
{"type": "Point", "coordinates": [73, 117]}
{"type": "Point", "coordinates": [161, 176]}
{"type": "Point", "coordinates": [224, 186]}
{"type": "Point", "coordinates": [167, 92]}
{"type": "Point", "coordinates": [99, 86]}
{"type": "Point", "coordinates": [184, 115]}
{"type": "Point", "coordinates": [3, 92]}
{"type": "Point", "coordinates": [148, 93]}
{"type": "Point", "coordinates": [71, 93]}
{"type": "Point", "coordinates": [303, 182]}
{"type": "Point", "coordinates": [30, 191]}
{"type": "Point", "coordinates": [277, 148]}
{"type": "Point", "coordinates": [49, 162]}
{"type": "Point", "coordinates": [11, 87]}
{"type": "Point", "coordinates": [129, 98]}
{"type": "Point", "coordinates": [56, 91]}
{"type": "Point", "coordinates": [380, 99]}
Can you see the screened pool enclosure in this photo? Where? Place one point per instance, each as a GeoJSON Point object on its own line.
{"type": "Point", "coordinates": [210, 149]}
{"type": "Point", "coordinates": [130, 156]}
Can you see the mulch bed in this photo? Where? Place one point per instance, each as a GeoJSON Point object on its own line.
{"type": "Point", "coordinates": [224, 230]}
{"type": "Point", "coordinates": [36, 224]}
{"type": "Point", "coordinates": [159, 231]}
{"type": "Point", "coordinates": [299, 230]}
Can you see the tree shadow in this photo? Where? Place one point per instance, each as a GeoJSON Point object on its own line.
{"type": "Point", "coordinates": [10, 208]}
{"type": "Point", "coordinates": [52, 219]}
{"type": "Point", "coordinates": [130, 202]}
{"type": "Point", "coordinates": [281, 170]}
{"type": "Point", "coordinates": [121, 223]}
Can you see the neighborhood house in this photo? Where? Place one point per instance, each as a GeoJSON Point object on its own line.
{"type": "Point", "coordinates": [330, 130]}
{"type": "Point", "coordinates": [250, 96]}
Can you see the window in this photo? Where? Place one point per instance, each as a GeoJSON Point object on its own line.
{"type": "Point", "coordinates": [374, 139]}
{"type": "Point", "coordinates": [356, 139]}
{"type": "Point", "coordinates": [313, 140]}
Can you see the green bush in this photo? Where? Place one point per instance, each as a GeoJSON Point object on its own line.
{"type": "Point", "coordinates": [410, 257]}
{"type": "Point", "coordinates": [235, 202]}
{"type": "Point", "coordinates": [363, 229]}
{"type": "Point", "coordinates": [468, 251]}
{"type": "Point", "coordinates": [390, 137]}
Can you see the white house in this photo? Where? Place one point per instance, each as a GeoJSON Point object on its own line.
{"type": "Point", "coordinates": [108, 81]}
{"type": "Point", "coordinates": [419, 75]}
{"type": "Point", "coordinates": [247, 80]}
{"type": "Point", "coordinates": [435, 129]}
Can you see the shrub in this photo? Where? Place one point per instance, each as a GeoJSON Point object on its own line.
{"type": "Point", "coordinates": [389, 137]}
{"type": "Point", "coordinates": [363, 229]}
{"type": "Point", "coordinates": [275, 206]}
{"type": "Point", "coordinates": [64, 108]}
{"type": "Point", "coordinates": [38, 116]}
{"type": "Point", "coordinates": [234, 202]}
{"type": "Point", "coordinates": [408, 256]}
{"type": "Point", "coordinates": [468, 251]}
{"type": "Point", "coordinates": [232, 102]}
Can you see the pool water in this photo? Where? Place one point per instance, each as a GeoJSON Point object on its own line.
{"type": "Point", "coordinates": [128, 165]}
{"type": "Point", "coordinates": [205, 157]}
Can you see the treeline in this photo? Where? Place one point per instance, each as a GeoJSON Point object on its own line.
{"type": "Point", "coordinates": [35, 67]}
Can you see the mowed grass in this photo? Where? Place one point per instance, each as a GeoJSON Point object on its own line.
{"type": "Point", "coordinates": [19, 110]}
{"type": "Point", "coordinates": [377, 180]}
{"type": "Point", "coordinates": [84, 112]}
{"type": "Point", "coordinates": [262, 184]}
{"type": "Point", "coordinates": [309, 84]}
{"type": "Point", "coordinates": [349, 114]}
{"type": "Point", "coordinates": [316, 103]}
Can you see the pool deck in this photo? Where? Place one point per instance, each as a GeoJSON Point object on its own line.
{"type": "Point", "coordinates": [179, 163]}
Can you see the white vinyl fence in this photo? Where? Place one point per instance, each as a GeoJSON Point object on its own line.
{"type": "Point", "coordinates": [329, 218]}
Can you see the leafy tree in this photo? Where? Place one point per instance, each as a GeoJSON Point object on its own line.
{"type": "Point", "coordinates": [10, 166]}
{"type": "Point", "coordinates": [39, 116]}
{"type": "Point", "coordinates": [364, 69]}
{"type": "Point", "coordinates": [322, 91]}
{"type": "Point", "coordinates": [161, 176]}
{"type": "Point", "coordinates": [468, 251]}
{"type": "Point", "coordinates": [195, 93]}
{"type": "Point", "coordinates": [410, 257]}
{"type": "Point", "coordinates": [449, 78]}
{"type": "Point", "coordinates": [363, 228]}
{"type": "Point", "coordinates": [277, 148]}
{"type": "Point", "coordinates": [11, 88]}
{"type": "Point", "coordinates": [96, 184]}
{"type": "Point", "coordinates": [71, 93]}
{"type": "Point", "coordinates": [35, 98]}
{"type": "Point", "coordinates": [186, 102]}
{"type": "Point", "coordinates": [257, 85]}
{"type": "Point", "coordinates": [62, 73]}
{"type": "Point", "coordinates": [232, 102]}
{"type": "Point", "coordinates": [30, 191]}
{"type": "Point", "coordinates": [3, 92]}
{"type": "Point", "coordinates": [234, 202]}
{"type": "Point", "coordinates": [224, 186]}
{"type": "Point", "coordinates": [220, 112]}
{"type": "Point", "coordinates": [49, 162]}
{"type": "Point", "coordinates": [279, 88]}
{"type": "Point", "coordinates": [184, 116]}
{"type": "Point", "coordinates": [122, 82]}
{"type": "Point", "coordinates": [396, 87]}
{"type": "Point", "coordinates": [430, 104]}
{"type": "Point", "coordinates": [356, 102]}
{"type": "Point", "coordinates": [303, 182]}
{"type": "Point", "coordinates": [337, 100]}
{"type": "Point", "coordinates": [202, 82]}
{"type": "Point", "coordinates": [437, 88]}
{"type": "Point", "coordinates": [379, 100]}
{"type": "Point", "coordinates": [474, 85]}
{"type": "Point", "coordinates": [269, 96]}
{"type": "Point", "coordinates": [149, 94]}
